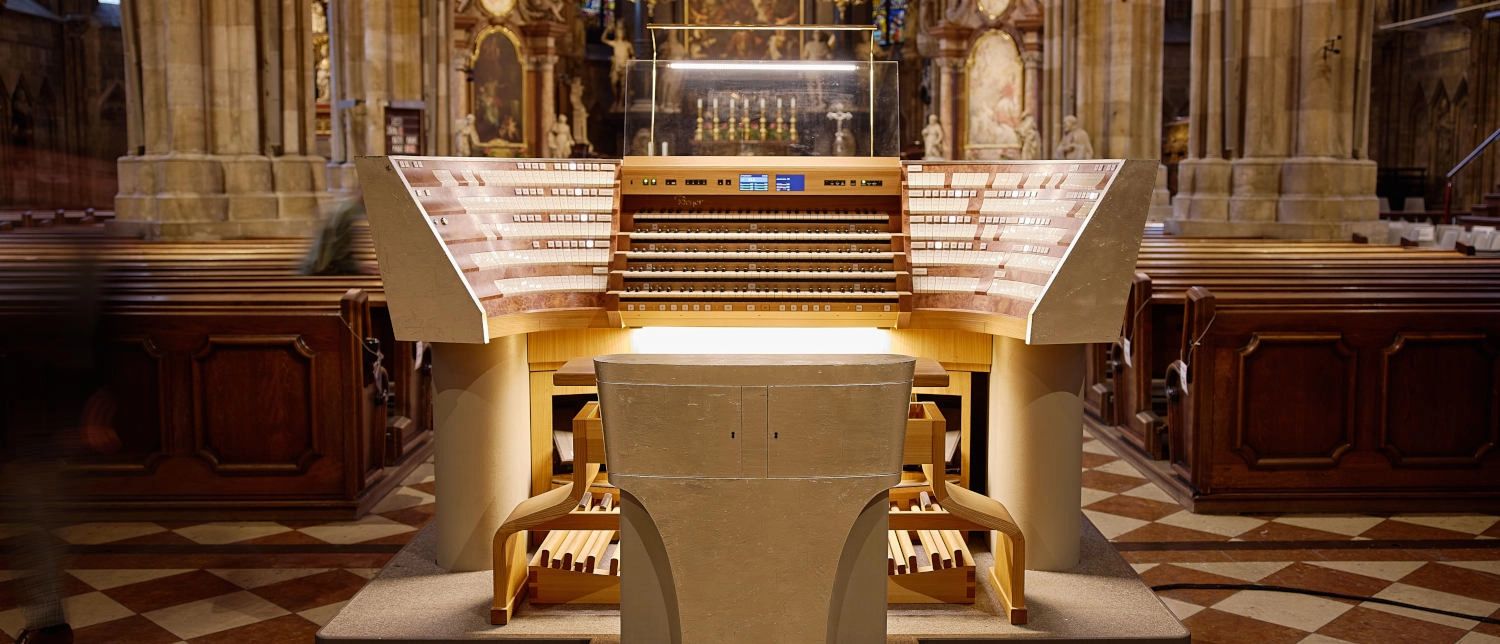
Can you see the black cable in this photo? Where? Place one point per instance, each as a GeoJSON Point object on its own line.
{"type": "Point", "coordinates": [1324, 593]}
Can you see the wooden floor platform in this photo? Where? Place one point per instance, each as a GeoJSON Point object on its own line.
{"type": "Point", "coordinates": [412, 600]}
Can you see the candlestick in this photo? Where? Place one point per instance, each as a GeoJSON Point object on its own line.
{"type": "Point", "coordinates": [716, 118]}
{"type": "Point", "coordinates": [731, 118]}
{"type": "Point", "coordinates": [745, 120]}
{"type": "Point", "coordinates": [792, 132]}
{"type": "Point", "coordinates": [762, 118]}
{"type": "Point", "coordinates": [698, 128]}
{"type": "Point", "coordinates": [776, 128]}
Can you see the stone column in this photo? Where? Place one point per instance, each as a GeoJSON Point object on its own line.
{"type": "Point", "coordinates": [207, 164]}
{"type": "Point", "coordinates": [1118, 46]}
{"type": "Point", "coordinates": [541, 62]}
{"type": "Point", "coordinates": [377, 54]}
{"type": "Point", "coordinates": [953, 51]}
{"type": "Point", "coordinates": [1297, 167]}
{"type": "Point", "coordinates": [1031, 60]}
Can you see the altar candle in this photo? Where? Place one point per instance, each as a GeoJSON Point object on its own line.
{"type": "Point", "coordinates": [700, 105]}
{"type": "Point", "coordinates": [794, 103]}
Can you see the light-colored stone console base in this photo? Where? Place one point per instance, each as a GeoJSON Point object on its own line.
{"type": "Point", "coordinates": [413, 600]}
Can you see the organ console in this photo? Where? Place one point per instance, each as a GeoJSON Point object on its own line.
{"type": "Point", "coordinates": [1030, 257]}
{"type": "Point", "coordinates": [514, 267]}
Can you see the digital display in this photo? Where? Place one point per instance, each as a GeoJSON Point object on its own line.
{"type": "Point", "coordinates": [790, 182]}
{"type": "Point", "coordinates": [755, 183]}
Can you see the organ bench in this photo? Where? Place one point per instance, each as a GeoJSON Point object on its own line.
{"type": "Point", "coordinates": [512, 267]}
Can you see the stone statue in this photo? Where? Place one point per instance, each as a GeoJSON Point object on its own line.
{"type": "Point", "coordinates": [619, 61]}
{"type": "Point", "coordinates": [932, 139]}
{"type": "Point", "coordinates": [467, 138]}
{"type": "Point", "coordinates": [669, 90]}
{"type": "Point", "coordinates": [1031, 141]}
{"type": "Point", "coordinates": [1074, 143]}
{"type": "Point", "coordinates": [817, 49]}
{"type": "Point", "coordinates": [580, 111]}
{"type": "Point", "coordinates": [560, 139]}
{"type": "Point", "coordinates": [319, 18]}
{"type": "Point", "coordinates": [542, 10]}
{"type": "Point", "coordinates": [774, 45]}
{"type": "Point", "coordinates": [323, 80]}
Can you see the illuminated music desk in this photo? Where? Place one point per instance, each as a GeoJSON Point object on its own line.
{"type": "Point", "coordinates": [1031, 258]}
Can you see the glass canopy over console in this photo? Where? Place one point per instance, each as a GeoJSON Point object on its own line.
{"type": "Point", "coordinates": [807, 94]}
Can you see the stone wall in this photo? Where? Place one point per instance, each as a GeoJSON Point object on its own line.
{"type": "Point", "coordinates": [62, 104]}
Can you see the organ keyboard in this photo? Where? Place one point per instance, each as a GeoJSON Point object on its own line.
{"type": "Point", "coordinates": [741, 253]}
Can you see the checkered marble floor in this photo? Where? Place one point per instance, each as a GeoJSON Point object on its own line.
{"type": "Point", "coordinates": [277, 581]}
{"type": "Point", "coordinates": [245, 581]}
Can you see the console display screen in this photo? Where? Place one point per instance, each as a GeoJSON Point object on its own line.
{"type": "Point", "coordinates": [790, 182]}
{"type": "Point", "coordinates": [755, 183]}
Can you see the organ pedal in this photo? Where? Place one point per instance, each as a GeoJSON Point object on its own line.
{"type": "Point", "coordinates": [928, 561]}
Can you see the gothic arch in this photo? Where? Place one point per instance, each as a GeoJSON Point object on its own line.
{"type": "Point", "coordinates": [1443, 133]}
{"type": "Point", "coordinates": [21, 124]}
{"type": "Point", "coordinates": [1416, 119]}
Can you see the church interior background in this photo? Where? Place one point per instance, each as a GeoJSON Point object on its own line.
{"type": "Point", "coordinates": [232, 122]}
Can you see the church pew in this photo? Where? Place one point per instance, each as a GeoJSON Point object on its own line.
{"type": "Point", "coordinates": [1241, 257]}
{"type": "Point", "coordinates": [228, 405]}
{"type": "Point", "coordinates": [172, 289]}
{"type": "Point", "coordinates": [1337, 401]}
{"type": "Point", "coordinates": [1154, 325]}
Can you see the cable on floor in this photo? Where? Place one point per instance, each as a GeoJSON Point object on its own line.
{"type": "Point", "coordinates": [1324, 593]}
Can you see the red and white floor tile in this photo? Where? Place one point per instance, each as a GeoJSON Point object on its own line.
{"type": "Point", "coordinates": [278, 581]}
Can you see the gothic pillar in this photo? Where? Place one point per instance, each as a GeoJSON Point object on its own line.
{"type": "Point", "coordinates": [1278, 125]}
{"type": "Point", "coordinates": [1118, 83]}
{"type": "Point", "coordinates": [377, 54]}
{"type": "Point", "coordinates": [215, 156]}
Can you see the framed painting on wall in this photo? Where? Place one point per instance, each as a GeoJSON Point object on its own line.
{"type": "Point", "coordinates": [740, 45]}
{"type": "Point", "coordinates": [995, 95]}
{"type": "Point", "coordinates": [498, 91]}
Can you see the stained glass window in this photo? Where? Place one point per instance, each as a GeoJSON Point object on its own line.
{"type": "Point", "coordinates": [592, 9]}
{"type": "Point", "coordinates": [890, 20]}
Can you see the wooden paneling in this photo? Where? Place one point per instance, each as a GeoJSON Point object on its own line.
{"type": "Point", "coordinates": [956, 350]}
{"type": "Point", "coordinates": [1439, 404]}
{"type": "Point", "coordinates": [253, 400]}
{"type": "Point", "coordinates": [1295, 400]}
{"type": "Point", "coordinates": [137, 381]}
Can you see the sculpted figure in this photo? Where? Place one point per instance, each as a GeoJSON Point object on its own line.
{"type": "Point", "coordinates": [467, 137]}
{"type": "Point", "coordinates": [619, 62]}
{"type": "Point", "coordinates": [323, 80]}
{"type": "Point", "coordinates": [1031, 141]}
{"type": "Point", "coordinates": [817, 48]}
{"type": "Point", "coordinates": [932, 139]}
{"type": "Point", "coordinates": [580, 111]}
{"type": "Point", "coordinates": [1074, 143]}
{"type": "Point", "coordinates": [560, 139]}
